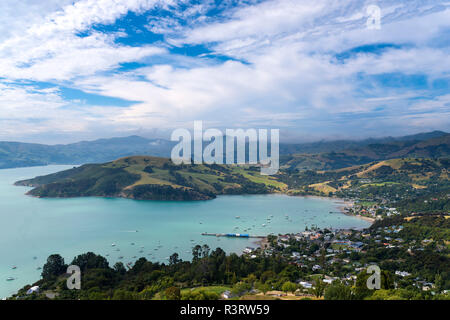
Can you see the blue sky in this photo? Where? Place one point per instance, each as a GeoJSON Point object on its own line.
{"type": "Point", "coordinates": [87, 69]}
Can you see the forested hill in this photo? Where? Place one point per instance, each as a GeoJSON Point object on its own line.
{"type": "Point", "coordinates": [143, 177]}
{"type": "Point", "coordinates": [401, 176]}
{"type": "Point", "coordinates": [151, 178]}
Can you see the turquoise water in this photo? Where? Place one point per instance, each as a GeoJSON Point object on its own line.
{"type": "Point", "coordinates": [31, 229]}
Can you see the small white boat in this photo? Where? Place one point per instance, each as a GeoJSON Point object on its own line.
{"type": "Point", "coordinates": [14, 267]}
{"type": "Point", "coordinates": [113, 245]}
{"type": "Point", "coordinates": [9, 279]}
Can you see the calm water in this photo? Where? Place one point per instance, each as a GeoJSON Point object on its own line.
{"type": "Point", "coordinates": [31, 229]}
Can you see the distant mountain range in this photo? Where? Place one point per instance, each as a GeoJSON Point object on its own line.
{"type": "Point", "coordinates": [17, 154]}
{"type": "Point", "coordinates": [315, 155]}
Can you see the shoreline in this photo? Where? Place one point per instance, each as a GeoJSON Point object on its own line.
{"type": "Point", "coordinates": [351, 203]}
{"type": "Point", "coordinates": [342, 204]}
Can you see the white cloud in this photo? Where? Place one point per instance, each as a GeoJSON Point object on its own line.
{"type": "Point", "coordinates": [52, 50]}
{"type": "Point", "coordinates": [291, 78]}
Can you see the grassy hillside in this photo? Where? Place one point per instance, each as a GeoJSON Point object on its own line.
{"type": "Point", "coordinates": [434, 147]}
{"type": "Point", "coordinates": [143, 177]}
{"type": "Point", "coordinates": [414, 173]}
{"type": "Point", "coordinates": [152, 178]}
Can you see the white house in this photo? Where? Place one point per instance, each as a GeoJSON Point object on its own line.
{"type": "Point", "coordinates": [305, 284]}
{"type": "Point", "coordinates": [34, 289]}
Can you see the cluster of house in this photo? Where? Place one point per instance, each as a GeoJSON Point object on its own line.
{"type": "Point", "coordinates": [332, 243]}
{"type": "Point", "coordinates": [402, 273]}
{"type": "Point", "coordinates": [425, 285]}
{"type": "Point", "coordinates": [336, 242]}
{"type": "Point", "coordinates": [249, 251]}
{"type": "Point", "coordinates": [374, 211]}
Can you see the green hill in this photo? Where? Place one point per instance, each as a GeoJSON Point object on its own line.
{"type": "Point", "coordinates": [434, 147]}
{"type": "Point", "coordinates": [152, 178]}
{"type": "Point", "coordinates": [403, 173]}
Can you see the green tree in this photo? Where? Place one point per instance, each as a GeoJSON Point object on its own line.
{"type": "Point", "coordinates": [384, 294]}
{"type": "Point", "coordinates": [439, 283]}
{"type": "Point", "coordinates": [54, 267]}
{"type": "Point", "coordinates": [121, 294]}
{"type": "Point", "coordinates": [173, 293]}
{"type": "Point", "coordinates": [174, 259]}
{"type": "Point", "coordinates": [196, 253]}
{"type": "Point", "coordinates": [289, 287]}
{"type": "Point", "coordinates": [263, 287]}
{"type": "Point", "coordinates": [267, 275]}
{"type": "Point", "coordinates": [120, 268]}
{"type": "Point", "coordinates": [241, 288]}
{"type": "Point", "coordinates": [361, 290]}
{"type": "Point", "coordinates": [338, 291]}
{"type": "Point", "coordinates": [319, 287]}
{"type": "Point", "coordinates": [90, 260]}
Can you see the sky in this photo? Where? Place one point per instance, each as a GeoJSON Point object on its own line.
{"type": "Point", "coordinates": [87, 69]}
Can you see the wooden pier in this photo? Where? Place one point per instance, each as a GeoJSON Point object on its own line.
{"type": "Point", "coordinates": [232, 235]}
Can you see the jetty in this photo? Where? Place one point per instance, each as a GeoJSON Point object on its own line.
{"type": "Point", "coordinates": [232, 235]}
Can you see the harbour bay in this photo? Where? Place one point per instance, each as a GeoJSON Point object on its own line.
{"type": "Point", "coordinates": [123, 230]}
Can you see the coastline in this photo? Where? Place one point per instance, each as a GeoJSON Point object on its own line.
{"type": "Point", "coordinates": [350, 203]}
{"type": "Point", "coordinates": [342, 204]}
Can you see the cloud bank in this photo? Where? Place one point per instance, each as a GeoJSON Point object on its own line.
{"type": "Point", "coordinates": [312, 68]}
